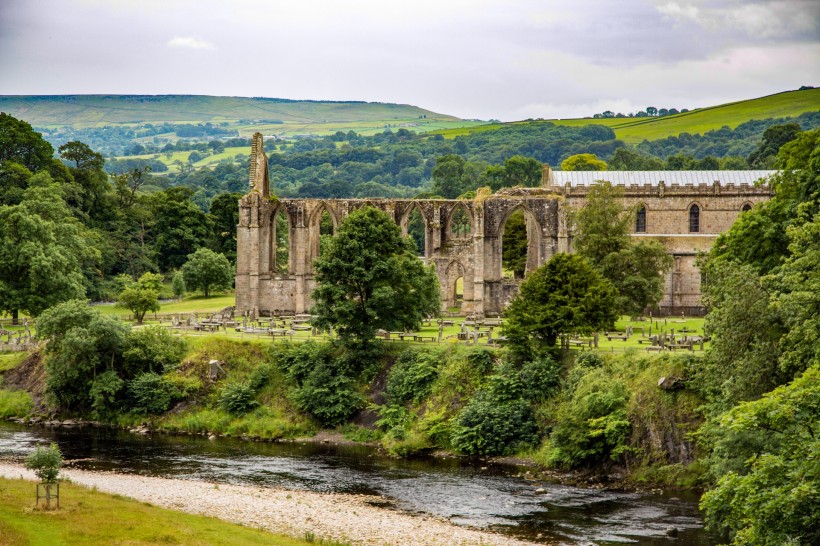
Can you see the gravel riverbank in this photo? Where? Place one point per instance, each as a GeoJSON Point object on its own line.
{"type": "Point", "coordinates": [356, 519]}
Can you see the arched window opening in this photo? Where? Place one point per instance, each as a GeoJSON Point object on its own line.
{"type": "Point", "coordinates": [640, 220]}
{"type": "Point", "coordinates": [460, 223]}
{"type": "Point", "coordinates": [326, 231]}
{"type": "Point", "coordinates": [514, 246]}
{"type": "Point", "coordinates": [746, 208]}
{"type": "Point", "coordinates": [694, 219]}
{"type": "Point", "coordinates": [417, 231]}
{"type": "Point", "coordinates": [281, 243]}
{"type": "Point", "coordinates": [458, 291]}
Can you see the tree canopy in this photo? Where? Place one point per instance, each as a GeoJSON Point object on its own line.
{"type": "Point", "coordinates": [636, 269]}
{"type": "Point", "coordinates": [371, 278]}
{"type": "Point", "coordinates": [206, 270]}
{"type": "Point", "coordinates": [43, 250]}
{"type": "Point", "coordinates": [564, 296]}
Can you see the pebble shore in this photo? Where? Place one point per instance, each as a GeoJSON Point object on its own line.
{"type": "Point", "coordinates": [349, 518]}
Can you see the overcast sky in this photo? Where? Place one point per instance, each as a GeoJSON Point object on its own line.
{"type": "Point", "coordinates": [504, 59]}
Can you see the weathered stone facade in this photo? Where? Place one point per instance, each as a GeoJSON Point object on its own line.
{"type": "Point", "coordinates": [262, 287]}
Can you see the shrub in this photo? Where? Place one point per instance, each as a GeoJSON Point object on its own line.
{"type": "Point", "coordinates": [150, 393]}
{"type": "Point", "coordinates": [325, 385]}
{"type": "Point", "coordinates": [592, 424]}
{"type": "Point", "coordinates": [152, 349]}
{"type": "Point", "coordinates": [103, 392]}
{"type": "Point", "coordinates": [412, 376]}
{"type": "Point", "coordinates": [539, 378]}
{"type": "Point", "coordinates": [329, 396]}
{"type": "Point", "coordinates": [15, 403]}
{"type": "Point", "coordinates": [45, 462]}
{"type": "Point", "coordinates": [238, 398]}
{"type": "Point", "coordinates": [487, 426]}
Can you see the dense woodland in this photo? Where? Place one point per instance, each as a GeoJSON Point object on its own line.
{"type": "Point", "coordinates": [745, 414]}
{"type": "Point", "coordinates": [405, 164]}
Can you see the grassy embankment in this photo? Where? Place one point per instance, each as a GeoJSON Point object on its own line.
{"type": "Point", "coordinates": [700, 120]}
{"type": "Point", "coordinates": [91, 518]}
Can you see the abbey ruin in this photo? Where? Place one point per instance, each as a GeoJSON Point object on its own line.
{"type": "Point", "coordinates": [684, 210]}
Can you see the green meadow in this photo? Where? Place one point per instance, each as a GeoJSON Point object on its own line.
{"type": "Point", "coordinates": [635, 130]}
{"type": "Point", "coordinates": [89, 518]}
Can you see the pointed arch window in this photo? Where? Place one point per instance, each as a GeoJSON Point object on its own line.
{"type": "Point", "coordinates": [640, 220]}
{"type": "Point", "coordinates": [746, 208]}
{"type": "Point", "coordinates": [694, 219]}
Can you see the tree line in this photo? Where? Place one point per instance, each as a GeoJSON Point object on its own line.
{"type": "Point", "coordinates": [69, 230]}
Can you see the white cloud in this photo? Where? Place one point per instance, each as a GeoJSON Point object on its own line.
{"type": "Point", "coordinates": [765, 19]}
{"type": "Point", "coordinates": [189, 42]}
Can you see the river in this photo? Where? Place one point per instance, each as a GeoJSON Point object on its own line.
{"type": "Point", "coordinates": [491, 496]}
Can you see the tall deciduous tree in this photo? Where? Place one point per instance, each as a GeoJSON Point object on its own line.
{"type": "Point", "coordinates": [635, 269]}
{"type": "Point", "coordinates": [142, 296]}
{"type": "Point", "coordinates": [370, 278]}
{"type": "Point", "coordinates": [19, 143]}
{"type": "Point", "coordinates": [564, 296]}
{"type": "Point", "coordinates": [583, 162]}
{"type": "Point", "coordinates": [207, 270]}
{"type": "Point", "coordinates": [42, 250]}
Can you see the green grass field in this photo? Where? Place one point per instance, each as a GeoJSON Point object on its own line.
{"type": "Point", "coordinates": [635, 130]}
{"type": "Point", "coordinates": [102, 110]}
{"type": "Point", "coordinates": [91, 518]}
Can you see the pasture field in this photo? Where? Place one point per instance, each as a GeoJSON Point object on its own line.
{"type": "Point", "coordinates": [101, 110]}
{"type": "Point", "coordinates": [89, 517]}
{"type": "Point", "coordinates": [635, 130]}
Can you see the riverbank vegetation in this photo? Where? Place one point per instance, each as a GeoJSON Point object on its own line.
{"type": "Point", "coordinates": [91, 518]}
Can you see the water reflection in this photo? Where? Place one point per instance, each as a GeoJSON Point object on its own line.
{"type": "Point", "coordinates": [451, 488]}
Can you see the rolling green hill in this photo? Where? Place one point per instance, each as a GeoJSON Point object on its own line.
{"type": "Point", "coordinates": [272, 116]}
{"type": "Point", "coordinates": [634, 130]}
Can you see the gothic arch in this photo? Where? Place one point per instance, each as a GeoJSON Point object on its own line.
{"type": "Point", "coordinates": [456, 232]}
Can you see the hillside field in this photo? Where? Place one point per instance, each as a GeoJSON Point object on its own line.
{"type": "Point", "coordinates": [635, 130]}
{"type": "Point", "coordinates": [281, 117]}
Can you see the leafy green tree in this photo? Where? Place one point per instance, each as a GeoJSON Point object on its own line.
{"type": "Point", "coordinates": [635, 269]}
{"type": "Point", "coordinates": [82, 356]}
{"type": "Point", "coordinates": [142, 296]}
{"type": "Point", "coordinates": [447, 176]}
{"type": "Point", "coordinates": [45, 462]}
{"type": "Point", "coordinates": [775, 499]}
{"type": "Point", "coordinates": [224, 214]}
{"type": "Point", "coordinates": [178, 284]}
{"type": "Point", "coordinates": [139, 301]}
{"type": "Point", "coordinates": [207, 270]}
{"type": "Point", "coordinates": [89, 175]}
{"type": "Point", "coordinates": [564, 296]}
{"type": "Point", "coordinates": [522, 171]}
{"type": "Point", "coordinates": [179, 228]}
{"type": "Point", "coordinates": [19, 143]}
{"type": "Point", "coordinates": [583, 162]}
{"type": "Point", "coordinates": [773, 139]}
{"type": "Point", "coordinates": [370, 278]}
{"type": "Point", "coordinates": [625, 159]}
{"type": "Point", "coordinates": [13, 182]}
{"type": "Point", "coordinates": [42, 250]}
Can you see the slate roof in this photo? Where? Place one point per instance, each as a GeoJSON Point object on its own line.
{"type": "Point", "coordinates": [586, 178]}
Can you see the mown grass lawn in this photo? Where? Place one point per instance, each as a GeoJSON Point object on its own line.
{"type": "Point", "coordinates": [91, 518]}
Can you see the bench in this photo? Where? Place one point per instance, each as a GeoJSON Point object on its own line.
{"type": "Point", "coordinates": [610, 337]}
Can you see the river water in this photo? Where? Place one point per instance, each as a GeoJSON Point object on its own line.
{"type": "Point", "coordinates": [490, 496]}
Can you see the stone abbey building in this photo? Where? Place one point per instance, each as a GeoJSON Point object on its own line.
{"type": "Point", "coordinates": [684, 210]}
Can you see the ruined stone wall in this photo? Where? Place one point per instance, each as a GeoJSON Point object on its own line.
{"type": "Point", "coordinates": [263, 286]}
